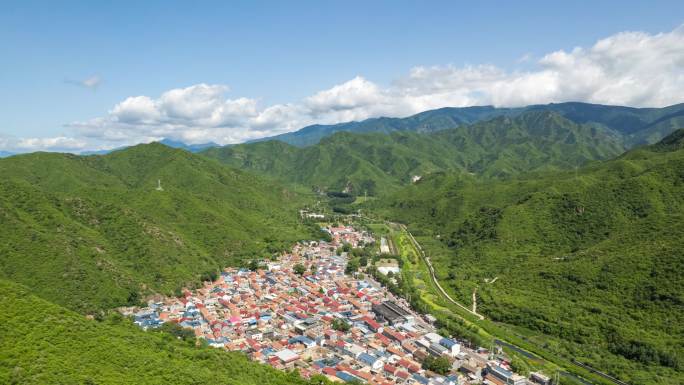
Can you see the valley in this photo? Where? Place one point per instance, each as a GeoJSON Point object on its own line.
{"type": "Point", "coordinates": [530, 238]}
{"type": "Point", "coordinates": [342, 192]}
{"type": "Point", "coordinates": [475, 230]}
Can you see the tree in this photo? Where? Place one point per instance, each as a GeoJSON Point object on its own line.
{"type": "Point", "coordinates": [519, 366]}
{"type": "Point", "coordinates": [440, 365]}
{"type": "Point", "coordinates": [177, 331]}
{"type": "Point", "coordinates": [340, 325]}
{"type": "Point", "coordinates": [299, 269]}
{"type": "Point", "coordinates": [253, 265]}
{"type": "Point", "coordinates": [313, 269]}
{"type": "Point", "coordinates": [352, 266]}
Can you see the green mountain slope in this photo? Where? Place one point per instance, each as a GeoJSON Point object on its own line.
{"type": "Point", "coordinates": [43, 343]}
{"type": "Point", "coordinates": [377, 163]}
{"type": "Point", "coordinates": [94, 232]}
{"type": "Point", "coordinates": [587, 263]}
{"type": "Point", "coordinates": [637, 125]}
{"type": "Point", "coordinates": [428, 121]}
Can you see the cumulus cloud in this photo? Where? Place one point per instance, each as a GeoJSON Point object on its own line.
{"type": "Point", "coordinates": [628, 68]}
{"type": "Point", "coordinates": [194, 114]}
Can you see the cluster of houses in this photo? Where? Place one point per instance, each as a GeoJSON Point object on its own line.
{"type": "Point", "coordinates": [324, 322]}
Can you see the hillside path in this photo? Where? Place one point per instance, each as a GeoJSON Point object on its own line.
{"type": "Point", "coordinates": [433, 277]}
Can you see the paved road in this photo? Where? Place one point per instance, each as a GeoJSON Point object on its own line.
{"type": "Point", "coordinates": [432, 274]}
{"type": "Point", "coordinates": [498, 341]}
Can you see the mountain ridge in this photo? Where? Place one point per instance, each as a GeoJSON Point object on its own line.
{"type": "Point", "coordinates": [587, 260]}
{"type": "Point", "coordinates": [638, 124]}
{"type": "Point", "coordinates": [374, 163]}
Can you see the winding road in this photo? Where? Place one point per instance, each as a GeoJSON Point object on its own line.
{"type": "Point", "coordinates": [433, 278]}
{"type": "Point", "coordinates": [526, 353]}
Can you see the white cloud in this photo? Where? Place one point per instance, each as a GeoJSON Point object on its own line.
{"type": "Point", "coordinates": [628, 68]}
{"type": "Point", "coordinates": [136, 109]}
{"type": "Point", "coordinates": [58, 143]}
{"type": "Point", "coordinates": [356, 93]}
{"type": "Point", "coordinates": [91, 82]}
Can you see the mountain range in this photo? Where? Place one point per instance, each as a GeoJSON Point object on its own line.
{"type": "Point", "coordinates": [167, 142]}
{"type": "Point", "coordinates": [638, 125]}
{"type": "Point", "coordinates": [566, 218]}
{"type": "Point", "coordinates": [375, 163]}
{"type": "Point", "coordinates": [583, 262]}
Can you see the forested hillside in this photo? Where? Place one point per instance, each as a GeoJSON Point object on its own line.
{"type": "Point", "coordinates": [43, 343]}
{"type": "Point", "coordinates": [376, 163]}
{"type": "Point", "coordinates": [586, 263]}
{"type": "Point", "coordinates": [96, 232]}
{"type": "Point", "coordinates": [636, 125]}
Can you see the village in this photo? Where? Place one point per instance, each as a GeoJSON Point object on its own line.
{"type": "Point", "coordinates": [303, 312]}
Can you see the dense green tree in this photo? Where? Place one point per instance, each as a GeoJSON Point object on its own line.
{"type": "Point", "coordinates": [440, 365]}
{"type": "Point", "coordinates": [584, 263]}
{"type": "Point", "coordinates": [352, 266]}
{"type": "Point", "coordinates": [340, 325]}
{"type": "Point", "coordinates": [299, 269]}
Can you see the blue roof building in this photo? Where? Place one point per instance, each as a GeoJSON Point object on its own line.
{"type": "Point", "coordinates": [346, 377]}
{"type": "Point", "coordinates": [420, 378]}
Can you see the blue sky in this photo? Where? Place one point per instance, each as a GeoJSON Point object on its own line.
{"type": "Point", "coordinates": [282, 54]}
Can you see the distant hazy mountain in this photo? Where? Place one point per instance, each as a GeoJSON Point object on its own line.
{"type": "Point", "coordinates": [374, 163]}
{"type": "Point", "coordinates": [428, 121]}
{"type": "Point", "coordinates": [100, 152]}
{"type": "Point", "coordinates": [188, 147]}
{"type": "Point", "coordinates": [167, 142]}
{"type": "Point", "coordinates": [5, 154]}
{"type": "Point", "coordinates": [638, 125]}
